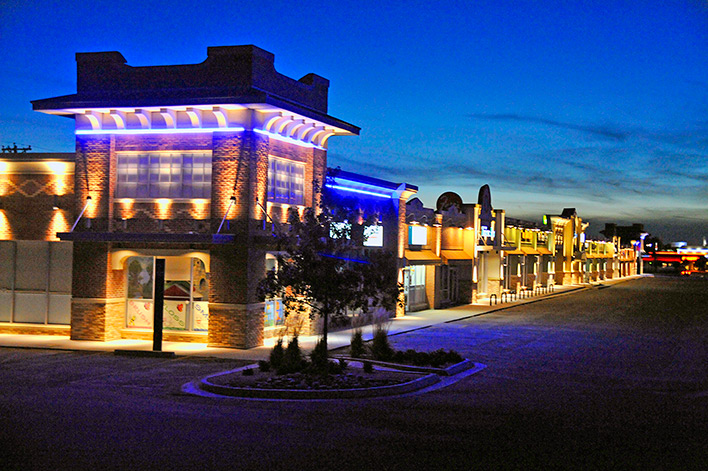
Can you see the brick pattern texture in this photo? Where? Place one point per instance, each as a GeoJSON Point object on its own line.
{"type": "Point", "coordinates": [27, 211]}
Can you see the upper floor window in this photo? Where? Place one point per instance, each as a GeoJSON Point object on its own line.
{"type": "Point", "coordinates": [286, 181]}
{"type": "Point", "coordinates": [163, 175]}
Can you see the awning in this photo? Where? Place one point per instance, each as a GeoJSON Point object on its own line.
{"type": "Point", "coordinates": [147, 237]}
{"type": "Point", "coordinates": [421, 256]}
{"type": "Point", "coordinates": [514, 251]}
{"type": "Point", "coordinates": [544, 251]}
{"type": "Point", "coordinates": [455, 255]}
{"type": "Point", "coordinates": [529, 251]}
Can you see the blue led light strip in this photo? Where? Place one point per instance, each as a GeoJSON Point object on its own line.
{"type": "Point", "coordinates": [157, 131]}
{"type": "Point", "coordinates": [356, 190]}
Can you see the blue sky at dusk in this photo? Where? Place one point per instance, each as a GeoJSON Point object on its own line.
{"type": "Point", "coordinates": [602, 106]}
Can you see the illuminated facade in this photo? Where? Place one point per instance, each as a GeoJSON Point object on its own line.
{"type": "Point", "coordinates": [530, 256]}
{"type": "Point", "coordinates": [453, 255]}
{"type": "Point", "coordinates": [190, 163]}
{"type": "Point", "coordinates": [196, 165]}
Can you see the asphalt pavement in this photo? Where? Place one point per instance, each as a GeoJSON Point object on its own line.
{"type": "Point", "coordinates": [605, 378]}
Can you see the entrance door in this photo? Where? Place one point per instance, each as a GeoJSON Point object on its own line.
{"type": "Point", "coordinates": [414, 287]}
{"type": "Point", "coordinates": [483, 273]}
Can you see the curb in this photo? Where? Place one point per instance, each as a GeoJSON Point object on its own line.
{"type": "Point", "coordinates": [144, 353]}
{"type": "Point", "coordinates": [528, 301]}
{"type": "Point", "coordinates": [451, 370]}
{"type": "Point", "coordinates": [254, 393]}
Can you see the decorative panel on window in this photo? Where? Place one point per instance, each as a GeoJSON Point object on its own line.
{"type": "Point", "coordinates": [163, 175]}
{"type": "Point", "coordinates": [286, 181]}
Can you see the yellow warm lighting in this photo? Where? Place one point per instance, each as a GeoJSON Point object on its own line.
{"type": "Point", "coordinates": [91, 208]}
{"type": "Point", "coordinates": [163, 207]}
{"type": "Point", "coordinates": [61, 185]}
{"type": "Point", "coordinates": [58, 224]}
{"type": "Point", "coordinates": [59, 167]}
{"type": "Point", "coordinates": [127, 210]}
{"type": "Point", "coordinates": [5, 232]}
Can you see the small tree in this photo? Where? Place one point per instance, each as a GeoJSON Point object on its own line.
{"type": "Point", "coordinates": [315, 275]}
{"type": "Point", "coordinates": [325, 273]}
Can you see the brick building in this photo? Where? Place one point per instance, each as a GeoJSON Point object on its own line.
{"type": "Point", "coordinates": [196, 164]}
{"type": "Point", "coordinates": [36, 202]}
{"type": "Point", "coordinates": [189, 163]}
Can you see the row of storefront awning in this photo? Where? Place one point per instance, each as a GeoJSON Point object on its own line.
{"type": "Point", "coordinates": [600, 255]}
{"type": "Point", "coordinates": [528, 251]}
{"type": "Point", "coordinates": [428, 256]}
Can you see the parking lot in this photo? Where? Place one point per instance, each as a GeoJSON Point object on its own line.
{"type": "Point", "coordinates": [608, 378]}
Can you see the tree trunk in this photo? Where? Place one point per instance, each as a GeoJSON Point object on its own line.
{"type": "Point", "coordinates": [325, 327]}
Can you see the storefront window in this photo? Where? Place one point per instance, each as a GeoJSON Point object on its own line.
{"type": "Point", "coordinates": [139, 305]}
{"type": "Point", "coordinates": [186, 294]}
{"type": "Point", "coordinates": [274, 316]}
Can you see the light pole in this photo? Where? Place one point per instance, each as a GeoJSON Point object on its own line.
{"type": "Point", "coordinates": [642, 236]}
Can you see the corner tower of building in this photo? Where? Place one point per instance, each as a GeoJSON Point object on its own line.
{"type": "Point", "coordinates": [189, 163]}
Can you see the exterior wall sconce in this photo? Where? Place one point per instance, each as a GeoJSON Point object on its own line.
{"type": "Point", "coordinates": [231, 203]}
{"type": "Point", "coordinates": [55, 202]}
{"type": "Point", "coordinates": [88, 221]}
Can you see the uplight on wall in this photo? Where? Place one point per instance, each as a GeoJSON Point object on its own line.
{"type": "Point", "coordinates": [163, 206]}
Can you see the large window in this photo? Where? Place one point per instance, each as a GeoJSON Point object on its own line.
{"type": "Point", "coordinates": [164, 175]}
{"type": "Point", "coordinates": [286, 181]}
{"type": "Point", "coordinates": [186, 294]}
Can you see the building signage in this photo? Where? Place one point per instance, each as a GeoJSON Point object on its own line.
{"type": "Point", "coordinates": [417, 235]}
{"type": "Point", "coordinates": [487, 232]}
{"type": "Point", "coordinates": [484, 199]}
{"type": "Point", "coordinates": [373, 236]}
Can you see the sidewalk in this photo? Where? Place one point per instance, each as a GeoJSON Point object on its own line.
{"type": "Point", "coordinates": [413, 321]}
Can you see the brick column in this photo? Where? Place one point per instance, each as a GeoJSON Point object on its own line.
{"type": "Point", "coordinates": [98, 294]}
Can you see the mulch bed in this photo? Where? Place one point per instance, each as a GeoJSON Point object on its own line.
{"type": "Point", "coordinates": [352, 378]}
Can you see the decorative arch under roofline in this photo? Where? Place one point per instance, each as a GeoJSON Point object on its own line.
{"type": "Point", "coordinates": [265, 119]}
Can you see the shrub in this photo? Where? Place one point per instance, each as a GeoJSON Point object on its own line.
{"type": "Point", "coordinates": [438, 358]}
{"type": "Point", "coordinates": [343, 364]}
{"type": "Point", "coordinates": [380, 348]}
{"type": "Point", "coordinates": [334, 367]}
{"type": "Point", "coordinates": [435, 359]}
{"type": "Point", "coordinates": [368, 367]}
{"type": "Point", "coordinates": [264, 365]}
{"type": "Point", "coordinates": [453, 357]}
{"type": "Point", "coordinates": [357, 346]}
{"type": "Point", "coordinates": [277, 354]}
{"type": "Point", "coordinates": [292, 358]}
{"type": "Point", "coordinates": [248, 372]}
{"type": "Point", "coordinates": [319, 357]}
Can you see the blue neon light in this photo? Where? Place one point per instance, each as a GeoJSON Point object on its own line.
{"type": "Point", "coordinates": [158, 131]}
{"type": "Point", "coordinates": [346, 259]}
{"type": "Point", "coordinates": [356, 190]}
